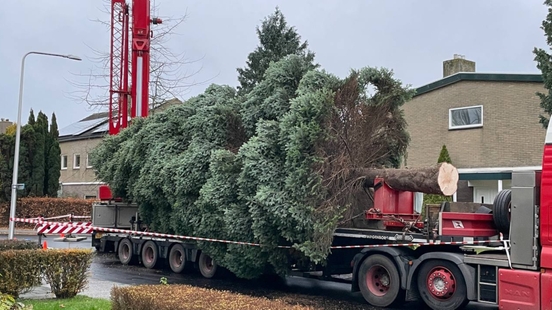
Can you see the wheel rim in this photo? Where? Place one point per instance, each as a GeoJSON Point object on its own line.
{"type": "Point", "coordinates": [148, 255]}
{"type": "Point", "coordinates": [125, 251]}
{"type": "Point", "coordinates": [441, 283]}
{"type": "Point", "coordinates": [378, 280]}
{"type": "Point", "coordinates": [208, 263]}
{"type": "Point", "coordinates": [177, 258]}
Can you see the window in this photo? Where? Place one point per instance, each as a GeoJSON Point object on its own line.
{"type": "Point", "coordinates": [467, 117]}
{"type": "Point", "coordinates": [88, 165]}
{"type": "Point", "coordinates": [76, 161]}
{"type": "Point", "coordinates": [63, 162]}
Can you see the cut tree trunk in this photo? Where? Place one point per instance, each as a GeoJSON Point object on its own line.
{"type": "Point", "coordinates": [440, 179]}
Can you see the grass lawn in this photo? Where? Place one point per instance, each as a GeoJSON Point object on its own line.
{"type": "Point", "coordinates": [76, 303]}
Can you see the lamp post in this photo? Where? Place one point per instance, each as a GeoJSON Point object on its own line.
{"type": "Point", "coordinates": [17, 137]}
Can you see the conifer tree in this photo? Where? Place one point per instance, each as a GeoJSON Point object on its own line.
{"type": "Point", "coordinates": [27, 154]}
{"type": "Point", "coordinates": [53, 160]}
{"type": "Point", "coordinates": [31, 121]}
{"type": "Point", "coordinates": [434, 198]}
{"type": "Point", "coordinates": [544, 63]}
{"type": "Point", "coordinates": [277, 39]}
{"type": "Point", "coordinates": [37, 155]}
{"type": "Point", "coordinates": [7, 144]}
{"type": "Point", "coordinates": [272, 165]}
{"type": "Point", "coordinates": [444, 156]}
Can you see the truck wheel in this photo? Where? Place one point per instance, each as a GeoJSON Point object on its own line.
{"type": "Point", "coordinates": [177, 258]}
{"type": "Point", "coordinates": [207, 266]}
{"type": "Point", "coordinates": [442, 285]}
{"type": "Point", "coordinates": [379, 282]}
{"type": "Point", "coordinates": [501, 210]}
{"type": "Point", "coordinates": [149, 254]}
{"type": "Point", "coordinates": [125, 252]}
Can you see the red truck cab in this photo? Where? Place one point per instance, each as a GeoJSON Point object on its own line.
{"type": "Point", "coordinates": [546, 223]}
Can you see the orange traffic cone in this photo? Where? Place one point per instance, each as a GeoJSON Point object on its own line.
{"type": "Point", "coordinates": [45, 245]}
{"type": "Point", "coordinates": [62, 235]}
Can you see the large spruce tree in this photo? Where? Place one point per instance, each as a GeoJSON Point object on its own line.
{"type": "Point", "coordinates": [276, 40]}
{"type": "Point", "coordinates": [544, 63]}
{"type": "Point", "coordinates": [271, 165]}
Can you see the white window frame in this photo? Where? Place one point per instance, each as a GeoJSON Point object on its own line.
{"type": "Point", "coordinates": [75, 161]}
{"type": "Point", "coordinates": [451, 127]}
{"type": "Point", "coordinates": [66, 161]}
{"type": "Point", "coordinates": [88, 166]}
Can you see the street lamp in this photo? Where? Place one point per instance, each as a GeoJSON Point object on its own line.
{"type": "Point", "coordinates": [17, 137]}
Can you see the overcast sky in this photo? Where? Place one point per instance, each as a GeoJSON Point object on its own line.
{"type": "Point", "coordinates": [410, 37]}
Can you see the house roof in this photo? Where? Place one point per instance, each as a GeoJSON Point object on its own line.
{"type": "Point", "coordinates": [96, 125]}
{"type": "Point", "coordinates": [476, 76]}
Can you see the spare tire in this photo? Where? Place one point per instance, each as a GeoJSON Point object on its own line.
{"type": "Point", "coordinates": [501, 210]}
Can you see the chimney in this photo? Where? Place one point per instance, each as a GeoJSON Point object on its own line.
{"type": "Point", "coordinates": [457, 64]}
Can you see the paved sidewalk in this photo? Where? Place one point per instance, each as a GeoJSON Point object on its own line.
{"type": "Point", "coordinates": [95, 289]}
{"type": "Point", "coordinates": [18, 231]}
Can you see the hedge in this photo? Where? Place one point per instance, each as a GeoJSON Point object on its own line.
{"type": "Point", "coordinates": [18, 245]}
{"type": "Point", "coordinates": [45, 206]}
{"type": "Point", "coordinates": [20, 271]}
{"type": "Point", "coordinates": [176, 297]}
{"type": "Point", "coordinates": [65, 270]}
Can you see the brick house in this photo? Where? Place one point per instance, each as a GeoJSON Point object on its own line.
{"type": "Point", "coordinates": [488, 122]}
{"type": "Point", "coordinates": [76, 141]}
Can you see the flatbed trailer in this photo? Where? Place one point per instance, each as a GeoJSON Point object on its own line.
{"type": "Point", "coordinates": [461, 257]}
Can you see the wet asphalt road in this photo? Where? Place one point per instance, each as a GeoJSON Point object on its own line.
{"type": "Point", "coordinates": [106, 271]}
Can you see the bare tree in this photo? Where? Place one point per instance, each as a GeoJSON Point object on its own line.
{"type": "Point", "coordinates": [169, 75]}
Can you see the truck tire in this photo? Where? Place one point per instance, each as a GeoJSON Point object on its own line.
{"type": "Point", "coordinates": [379, 282]}
{"type": "Point", "coordinates": [150, 254]}
{"type": "Point", "coordinates": [501, 210]}
{"type": "Point", "coordinates": [177, 258]}
{"type": "Point", "coordinates": [124, 252]}
{"type": "Point", "coordinates": [442, 285]}
{"type": "Point", "coordinates": [207, 266]}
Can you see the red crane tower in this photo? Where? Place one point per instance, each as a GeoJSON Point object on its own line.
{"type": "Point", "coordinates": [138, 39]}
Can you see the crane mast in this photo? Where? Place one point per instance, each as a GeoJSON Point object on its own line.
{"type": "Point", "coordinates": [126, 44]}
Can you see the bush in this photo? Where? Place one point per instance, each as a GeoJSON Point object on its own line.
{"type": "Point", "coordinates": [7, 302]}
{"type": "Point", "coordinates": [18, 245]}
{"type": "Point", "coordinates": [175, 297]}
{"type": "Point", "coordinates": [20, 271]}
{"type": "Point", "coordinates": [66, 270]}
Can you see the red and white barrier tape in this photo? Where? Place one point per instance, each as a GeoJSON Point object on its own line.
{"type": "Point", "coordinates": [77, 228]}
{"type": "Point", "coordinates": [91, 228]}
{"type": "Point", "coordinates": [61, 216]}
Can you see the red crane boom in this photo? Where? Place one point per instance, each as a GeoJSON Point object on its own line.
{"type": "Point", "coordinates": [140, 33]}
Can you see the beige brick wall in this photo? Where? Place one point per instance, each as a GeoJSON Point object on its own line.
{"type": "Point", "coordinates": [84, 174]}
{"type": "Point", "coordinates": [511, 135]}
{"type": "Point", "coordinates": [82, 148]}
{"type": "Point", "coordinates": [80, 191]}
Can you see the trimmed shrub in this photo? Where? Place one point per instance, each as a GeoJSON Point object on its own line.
{"type": "Point", "coordinates": [66, 270]}
{"type": "Point", "coordinates": [20, 271]}
{"type": "Point", "coordinates": [176, 297]}
{"type": "Point", "coordinates": [18, 245]}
